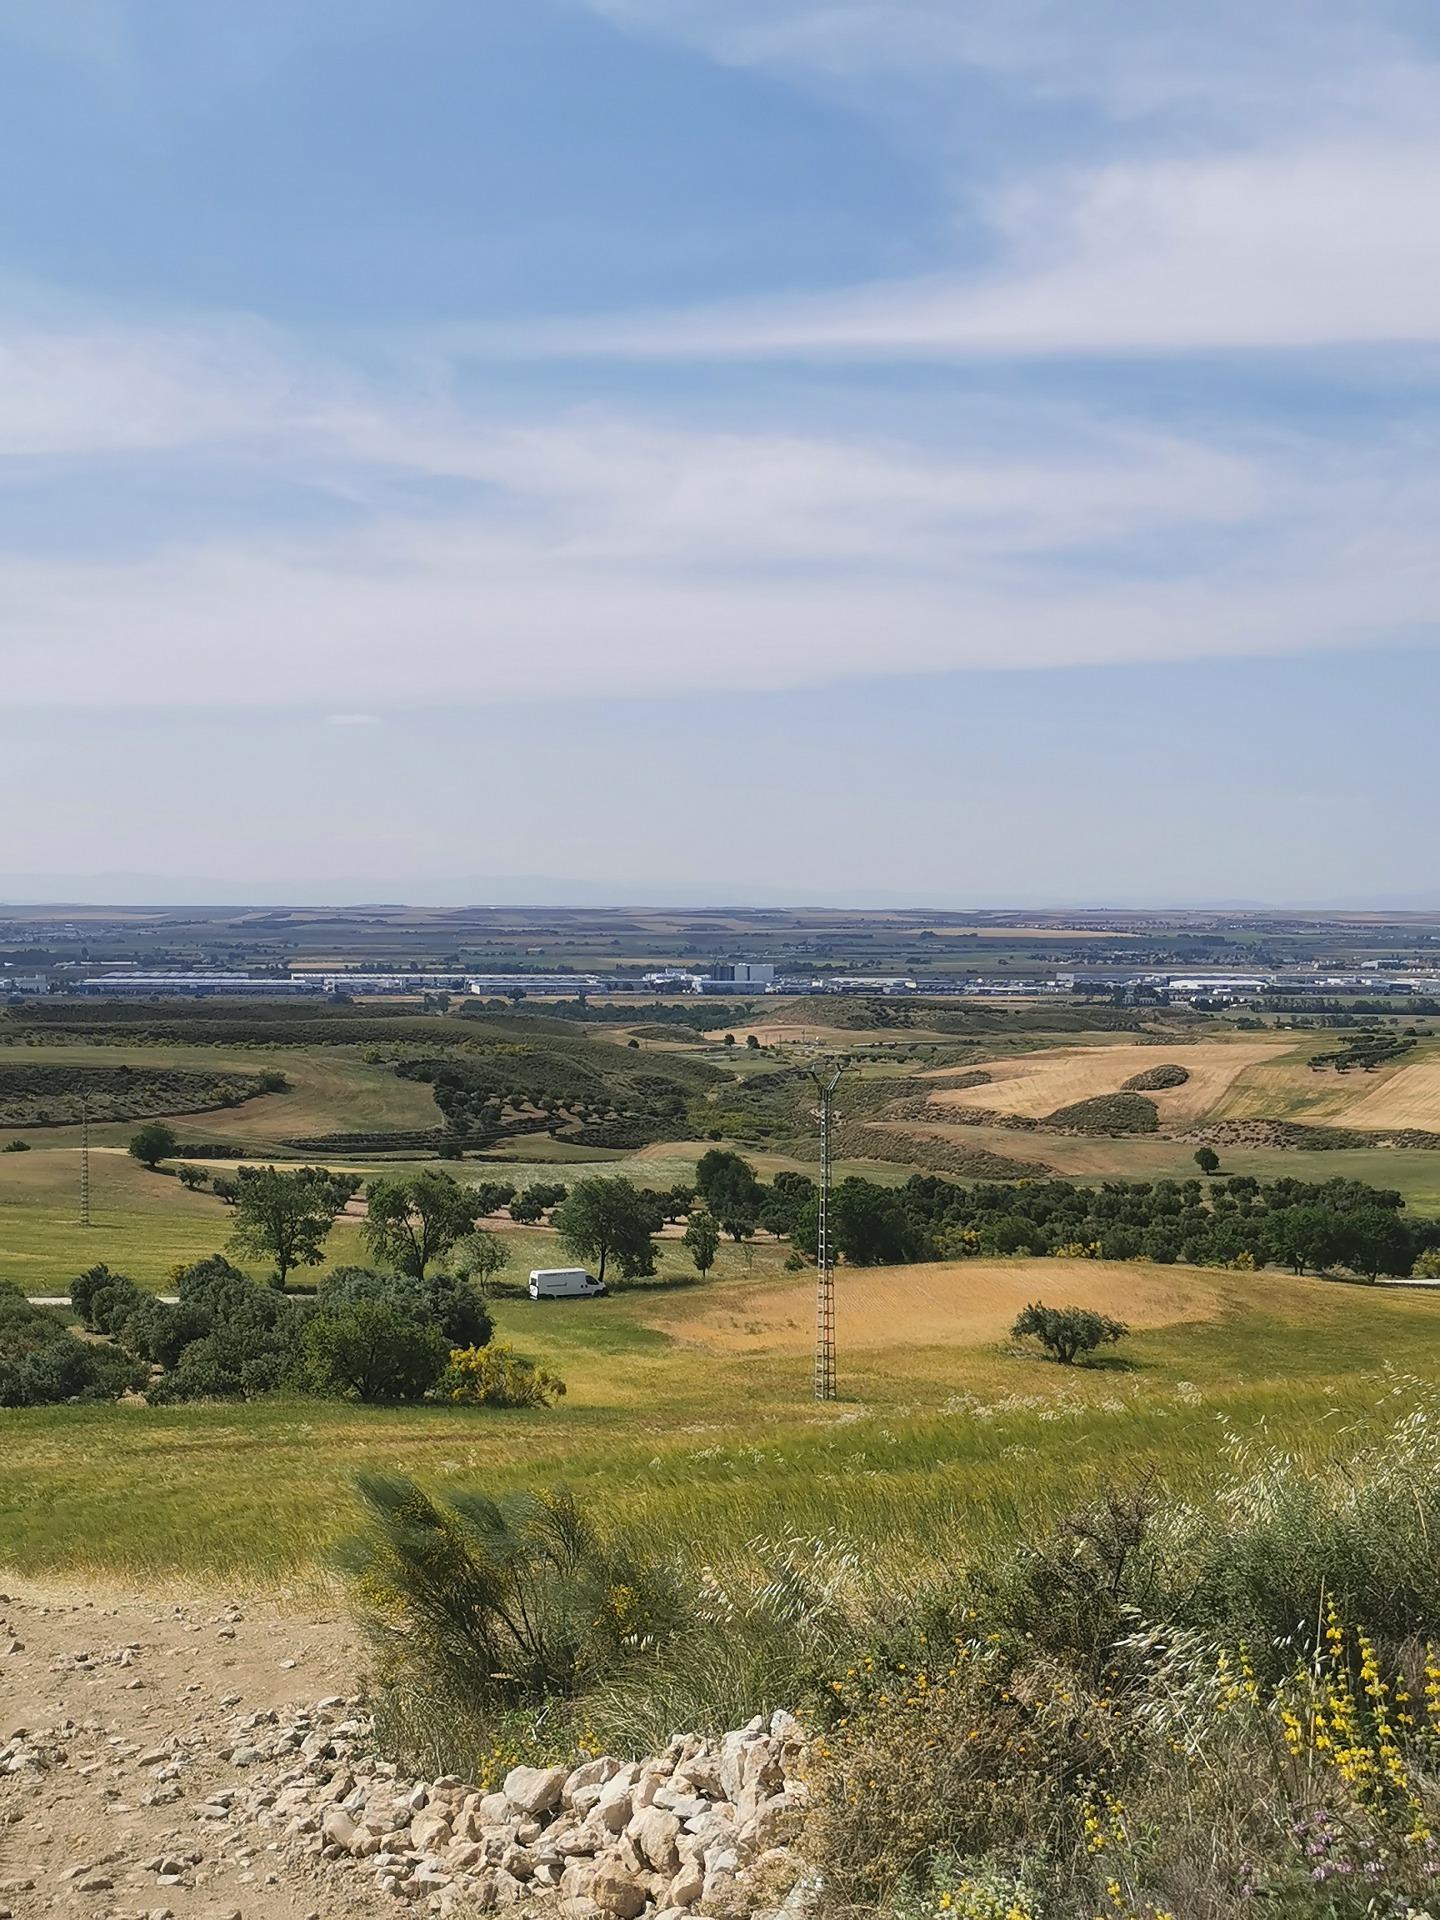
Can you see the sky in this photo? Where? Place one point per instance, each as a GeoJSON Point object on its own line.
{"type": "Point", "coordinates": [930, 452]}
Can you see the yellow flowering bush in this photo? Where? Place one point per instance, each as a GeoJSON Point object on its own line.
{"type": "Point", "coordinates": [496, 1376]}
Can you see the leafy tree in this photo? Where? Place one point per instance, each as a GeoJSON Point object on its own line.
{"type": "Point", "coordinates": [702, 1240]}
{"type": "Point", "coordinates": [192, 1178]}
{"type": "Point", "coordinates": [226, 1188]}
{"type": "Point", "coordinates": [1306, 1237]}
{"type": "Point", "coordinates": [286, 1217]}
{"type": "Point", "coordinates": [490, 1196]}
{"type": "Point", "coordinates": [605, 1217]}
{"type": "Point", "coordinates": [729, 1187]}
{"type": "Point", "coordinates": [479, 1256]}
{"type": "Point", "coordinates": [371, 1350]}
{"type": "Point", "coordinates": [1207, 1159]}
{"type": "Point", "coordinates": [450, 1303]}
{"type": "Point", "coordinates": [870, 1225]}
{"type": "Point", "coordinates": [752, 1041]}
{"type": "Point", "coordinates": [1377, 1241]}
{"type": "Point", "coordinates": [412, 1222]}
{"type": "Point", "coordinates": [42, 1362]}
{"type": "Point", "coordinates": [534, 1201]}
{"type": "Point", "coordinates": [1067, 1332]}
{"type": "Point", "coordinates": [785, 1203]}
{"type": "Point", "coordinates": [153, 1143]}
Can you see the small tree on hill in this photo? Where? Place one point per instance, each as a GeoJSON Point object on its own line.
{"type": "Point", "coordinates": [702, 1240]}
{"type": "Point", "coordinates": [1207, 1160]}
{"type": "Point", "coordinates": [1067, 1332]}
{"type": "Point", "coordinates": [602, 1218]}
{"type": "Point", "coordinates": [413, 1222]}
{"type": "Point", "coordinates": [153, 1143]}
{"type": "Point", "coordinates": [192, 1178]}
{"type": "Point", "coordinates": [479, 1256]}
{"type": "Point", "coordinates": [373, 1351]}
{"type": "Point", "coordinates": [286, 1217]}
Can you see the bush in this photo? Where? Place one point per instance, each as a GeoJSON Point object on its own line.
{"type": "Point", "coordinates": [483, 1606]}
{"type": "Point", "coordinates": [1155, 1079]}
{"type": "Point", "coordinates": [153, 1143]}
{"type": "Point", "coordinates": [190, 1177]}
{"type": "Point", "coordinates": [1067, 1332]}
{"type": "Point", "coordinates": [496, 1376]}
{"type": "Point", "coordinates": [42, 1362]}
{"type": "Point", "coordinates": [227, 1337]}
{"type": "Point", "coordinates": [452, 1305]}
{"type": "Point", "coordinates": [15, 1146]}
{"type": "Point", "coordinates": [370, 1350]}
{"type": "Point", "coordinates": [1108, 1113]}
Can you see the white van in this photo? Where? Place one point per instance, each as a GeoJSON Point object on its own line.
{"type": "Point", "coordinates": [563, 1283]}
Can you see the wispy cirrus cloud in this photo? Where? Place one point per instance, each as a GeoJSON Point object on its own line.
{"type": "Point", "coordinates": [593, 553]}
{"type": "Point", "coordinates": [1334, 245]}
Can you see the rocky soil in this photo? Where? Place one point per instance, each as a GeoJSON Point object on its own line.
{"type": "Point", "coordinates": [189, 1762]}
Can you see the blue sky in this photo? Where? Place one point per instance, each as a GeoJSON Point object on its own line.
{"type": "Point", "coordinates": [526, 441]}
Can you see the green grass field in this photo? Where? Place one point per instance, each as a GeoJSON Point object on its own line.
{"type": "Point", "coordinates": [702, 1440]}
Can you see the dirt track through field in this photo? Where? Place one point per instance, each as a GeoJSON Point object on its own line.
{"type": "Point", "coordinates": [964, 1303]}
{"type": "Point", "coordinates": [134, 1701]}
{"type": "Point", "coordinates": [1038, 1084]}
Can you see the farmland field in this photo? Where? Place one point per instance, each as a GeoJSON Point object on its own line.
{"type": "Point", "coordinates": [689, 1414]}
{"type": "Point", "coordinates": [1038, 1084]}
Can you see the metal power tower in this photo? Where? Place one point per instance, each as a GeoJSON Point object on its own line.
{"type": "Point", "coordinates": [824, 1251]}
{"type": "Point", "coordinates": [84, 1163]}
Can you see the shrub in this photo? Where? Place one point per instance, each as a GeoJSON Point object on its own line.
{"type": "Point", "coordinates": [41, 1361]}
{"type": "Point", "coordinates": [1155, 1079]}
{"type": "Point", "coordinates": [15, 1146]}
{"type": "Point", "coordinates": [496, 1376]}
{"type": "Point", "coordinates": [1067, 1332]}
{"type": "Point", "coordinates": [191, 1177]}
{"type": "Point", "coordinates": [483, 1606]}
{"type": "Point", "coordinates": [369, 1349]}
{"type": "Point", "coordinates": [453, 1305]}
{"type": "Point", "coordinates": [227, 1337]}
{"type": "Point", "coordinates": [153, 1143]}
{"type": "Point", "coordinates": [1108, 1113]}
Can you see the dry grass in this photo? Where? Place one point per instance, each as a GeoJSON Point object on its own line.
{"type": "Point", "coordinates": [1037, 1084]}
{"type": "Point", "coordinates": [966, 1303]}
{"type": "Point", "coordinates": [1408, 1096]}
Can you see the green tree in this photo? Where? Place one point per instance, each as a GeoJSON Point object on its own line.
{"type": "Point", "coordinates": [153, 1143]}
{"type": "Point", "coordinates": [373, 1351]}
{"type": "Point", "coordinates": [286, 1217]}
{"type": "Point", "coordinates": [411, 1223]}
{"type": "Point", "coordinates": [1305, 1237]}
{"type": "Point", "coordinates": [450, 1302]}
{"type": "Point", "coordinates": [702, 1240]}
{"type": "Point", "coordinates": [479, 1256]}
{"type": "Point", "coordinates": [1067, 1332]}
{"type": "Point", "coordinates": [1377, 1241]}
{"type": "Point", "coordinates": [192, 1178]}
{"type": "Point", "coordinates": [602, 1218]}
{"type": "Point", "coordinates": [728, 1185]}
{"type": "Point", "coordinates": [870, 1227]}
{"type": "Point", "coordinates": [1207, 1159]}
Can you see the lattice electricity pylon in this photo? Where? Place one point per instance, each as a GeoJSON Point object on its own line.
{"type": "Point", "coordinates": [824, 1251]}
{"type": "Point", "coordinates": [84, 1164]}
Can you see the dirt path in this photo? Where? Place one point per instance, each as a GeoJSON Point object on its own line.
{"type": "Point", "coordinates": [120, 1721]}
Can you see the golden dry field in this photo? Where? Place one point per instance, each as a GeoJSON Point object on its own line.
{"type": "Point", "coordinates": [1035, 1085]}
{"type": "Point", "coordinates": [963, 1303]}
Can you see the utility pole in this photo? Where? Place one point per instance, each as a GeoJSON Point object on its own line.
{"type": "Point", "coordinates": [84, 1163]}
{"type": "Point", "coordinates": [824, 1251]}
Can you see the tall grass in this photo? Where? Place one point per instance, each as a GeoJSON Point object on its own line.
{"type": "Point", "coordinates": [1159, 1702]}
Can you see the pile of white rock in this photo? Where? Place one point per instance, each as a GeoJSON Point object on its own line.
{"type": "Point", "coordinates": [703, 1828]}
